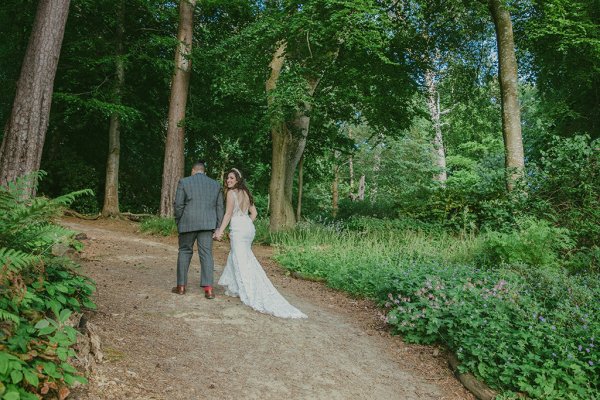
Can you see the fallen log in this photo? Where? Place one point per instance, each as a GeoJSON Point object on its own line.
{"type": "Point", "coordinates": [475, 386]}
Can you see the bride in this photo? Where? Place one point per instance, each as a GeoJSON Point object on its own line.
{"type": "Point", "coordinates": [243, 275]}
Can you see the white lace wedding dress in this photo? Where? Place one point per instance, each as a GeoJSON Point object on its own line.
{"type": "Point", "coordinates": [243, 275]}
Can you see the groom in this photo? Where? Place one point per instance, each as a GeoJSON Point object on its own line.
{"type": "Point", "coordinates": [198, 212]}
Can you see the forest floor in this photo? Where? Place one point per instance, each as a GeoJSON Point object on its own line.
{"type": "Point", "coordinates": [159, 345]}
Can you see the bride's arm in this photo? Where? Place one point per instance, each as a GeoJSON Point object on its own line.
{"type": "Point", "coordinates": [253, 212]}
{"type": "Point", "coordinates": [227, 217]}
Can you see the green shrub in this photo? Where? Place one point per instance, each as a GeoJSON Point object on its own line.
{"type": "Point", "coordinates": [565, 188]}
{"type": "Point", "coordinates": [159, 226]}
{"type": "Point", "coordinates": [383, 208]}
{"type": "Point", "coordinates": [38, 293]}
{"type": "Point", "coordinates": [535, 243]}
{"type": "Point", "coordinates": [263, 236]}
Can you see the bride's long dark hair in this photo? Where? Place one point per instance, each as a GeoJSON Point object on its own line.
{"type": "Point", "coordinates": [240, 184]}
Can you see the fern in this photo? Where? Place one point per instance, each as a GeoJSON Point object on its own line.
{"type": "Point", "coordinates": [16, 260]}
{"type": "Point", "coordinates": [40, 238]}
{"type": "Point", "coordinates": [25, 225]}
{"type": "Point", "coordinates": [30, 296]}
{"type": "Point", "coordinates": [67, 199]}
{"type": "Point", "coordinates": [6, 316]}
{"type": "Point", "coordinates": [21, 187]}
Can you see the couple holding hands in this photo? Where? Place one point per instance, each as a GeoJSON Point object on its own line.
{"type": "Point", "coordinates": [200, 218]}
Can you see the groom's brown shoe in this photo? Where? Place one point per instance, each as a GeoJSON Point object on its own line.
{"type": "Point", "coordinates": [179, 289]}
{"type": "Point", "coordinates": [208, 293]}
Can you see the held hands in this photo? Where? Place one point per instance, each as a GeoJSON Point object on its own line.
{"type": "Point", "coordinates": [218, 235]}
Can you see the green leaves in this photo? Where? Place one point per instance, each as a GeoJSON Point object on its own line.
{"type": "Point", "coordinates": [522, 329]}
{"type": "Point", "coordinates": [31, 376]}
{"type": "Point", "coordinates": [38, 294]}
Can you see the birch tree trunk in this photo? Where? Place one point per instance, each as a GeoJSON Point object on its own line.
{"type": "Point", "coordinates": [361, 188]}
{"type": "Point", "coordinates": [511, 113]}
{"type": "Point", "coordinates": [25, 131]}
{"type": "Point", "coordinates": [433, 103]}
{"type": "Point", "coordinates": [111, 187]}
{"type": "Point", "coordinates": [174, 148]}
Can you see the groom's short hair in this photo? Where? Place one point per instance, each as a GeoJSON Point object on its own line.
{"type": "Point", "coordinates": [200, 166]}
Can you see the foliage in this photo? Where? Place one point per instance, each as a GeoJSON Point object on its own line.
{"type": "Point", "coordinates": [534, 242]}
{"type": "Point", "coordinates": [359, 260]}
{"type": "Point", "coordinates": [526, 330]}
{"type": "Point", "coordinates": [563, 38]}
{"type": "Point", "coordinates": [263, 234]}
{"type": "Point", "coordinates": [566, 189]}
{"type": "Point", "coordinates": [38, 293]}
{"type": "Point", "coordinates": [159, 226]}
{"type": "Point", "coordinates": [85, 96]}
{"type": "Point", "coordinates": [519, 328]}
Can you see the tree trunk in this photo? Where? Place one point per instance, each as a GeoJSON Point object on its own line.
{"type": "Point", "coordinates": [351, 169]}
{"type": "Point", "coordinates": [433, 103]}
{"type": "Point", "coordinates": [281, 213]}
{"type": "Point", "coordinates": [174, 148]}
{"type": "Point", "coordinates": [335, 191]}
{"type": "Point", "coordinates": [111, 188]}
{"type": "Point", "coordinates": [300, 188]}
{"type": "Point", "coordinates": [25, 131]}
{"type": "Point", "coordinates": [288, 142]}
{"type": "Point", "coordinates": [511, 113]}
{"type": "Point", "coordinates": [376, 169]}
{"type": "Point", "coordinates": [361, 188]}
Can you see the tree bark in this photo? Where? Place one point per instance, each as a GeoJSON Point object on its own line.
{"type": "Point", "coordinates": [288, 143]}
{"type": "Point", "coordinates": [111, 187]}
{"type": "Point", "coordinates": [433, 103]}
{"type": "Point", "coordinates": [335, 191]}
{"type": "Point", "coordinates": [25, 131]}
{"type": "Point", "coordinates": [300, 188]}
{"type": "Point", "coordinates": [376, 168]}
{"type": "Point", "coordinates": [511, 113]}
{"type": "Point", "coordinates": [173, 165]}
{"type": "Point", "coordinates": [288, 140]}
{"type": "Point", "coordinates": [361, 188]}
{"type": "Point", "coordinates": [281, 213]}
{"type": "Point", "coordinates": [351, 170]}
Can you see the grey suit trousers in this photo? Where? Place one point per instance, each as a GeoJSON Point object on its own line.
{"type": "Point", "coordinates": [186, 245]}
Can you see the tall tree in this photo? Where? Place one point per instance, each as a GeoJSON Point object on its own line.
{"type": "Point", "coordinates": [174, 148]}
{"type": "Point", "coordinates": [511, 112]}
{"type": "Point", "coordinates": [111, 187]}
{"type": "Point", "coordinates": [25, 131]}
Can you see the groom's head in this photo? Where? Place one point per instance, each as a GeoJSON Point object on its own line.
{"type": "Point", "coordinates": [198, 167]}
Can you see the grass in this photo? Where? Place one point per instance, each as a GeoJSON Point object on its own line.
{"type": "Point", "coordinates": [159, 226]}
{"type": "Point", "coordinates": [520, 328]}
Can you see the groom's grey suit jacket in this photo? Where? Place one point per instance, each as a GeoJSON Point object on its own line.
{"type": "Point", "coordinates": [198, 204]}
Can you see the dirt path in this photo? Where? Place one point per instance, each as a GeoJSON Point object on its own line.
{"type": "Point", "coordinates": [159, 345]}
